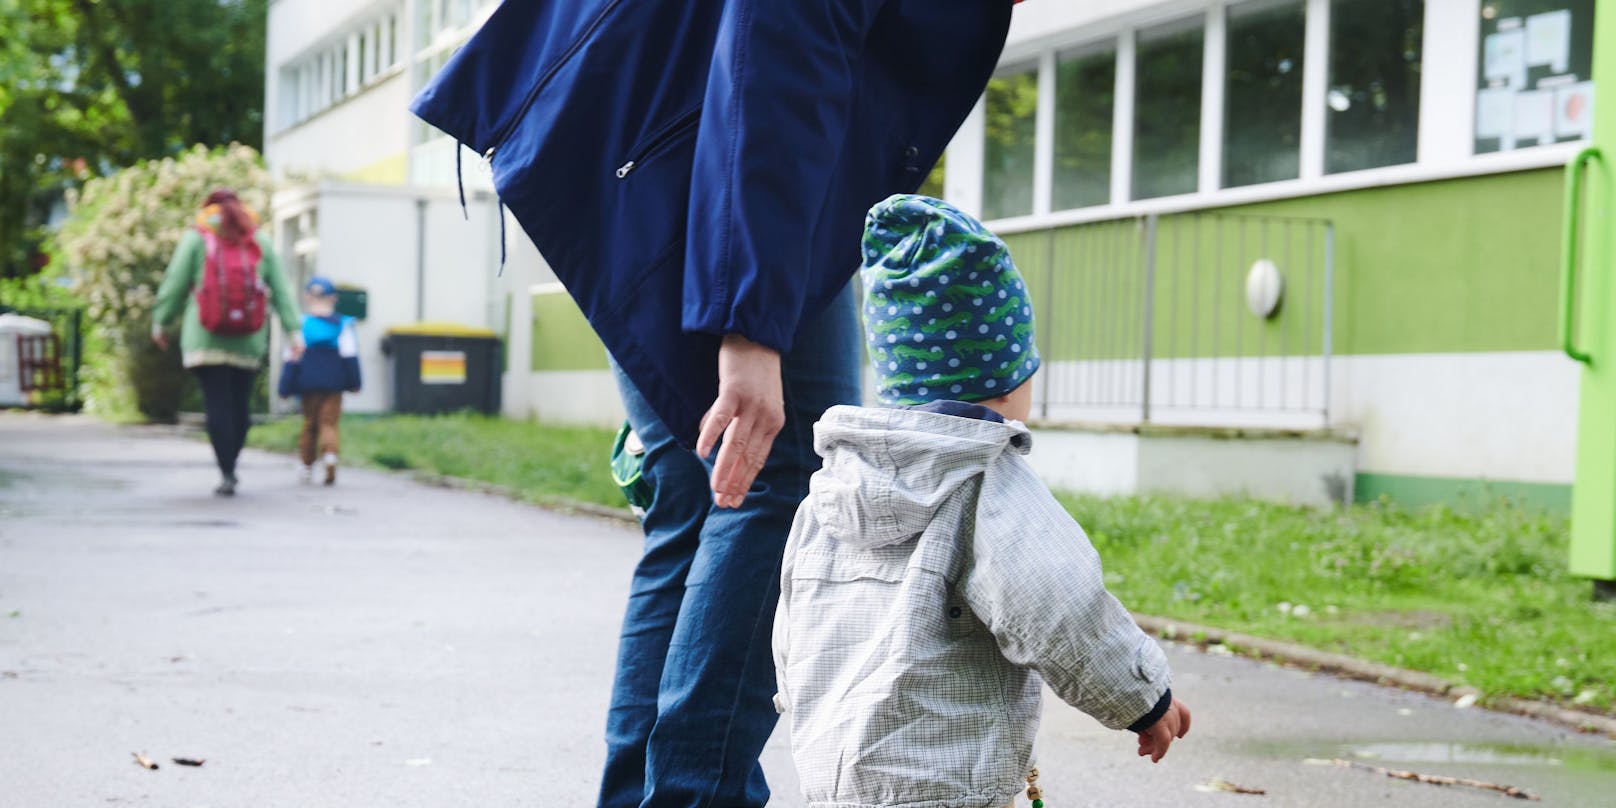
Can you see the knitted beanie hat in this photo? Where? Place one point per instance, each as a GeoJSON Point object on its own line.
{"type": "Point", "coordinates": [946, 313]}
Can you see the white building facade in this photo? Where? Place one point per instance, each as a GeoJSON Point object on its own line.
{"type": "Point", "coordinates": [1386, 171]}
{"type": "Point", "coordinates": [367, 194]}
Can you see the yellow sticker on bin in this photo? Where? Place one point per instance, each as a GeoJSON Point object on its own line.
{"type": "Point", "coordinates": [443, 367]}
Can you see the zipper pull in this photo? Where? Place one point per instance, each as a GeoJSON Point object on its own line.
{"type": "Point", "coordinates": [624, 169]}
{"type": "Point", "coordinates": [489, 155]}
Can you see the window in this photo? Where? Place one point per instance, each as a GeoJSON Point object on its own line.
{"type": "Point", "coordinates": [344, 82]}
{"type": "Point", "coordinates": [339, 69]}
{"type": "Point", "coordinates": [1533, 83]}
{"type": "Point", "coordinates": [1012, 111]}
{"type": "Point", "coordinates": [1373, 100]}
{"type": "Point", "coordinates": [1167, 110]}
{"type": "Point", "coordinates": [1262, 100]}
{"type": "Point", "coordinates": [392, 40]}
{"type": "Point", "coordinates": [423, 24]}
{"type": "Point", "coordinates": [1085, 94]}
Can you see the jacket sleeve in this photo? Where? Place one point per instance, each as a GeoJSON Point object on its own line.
{"type": "Point", "coordinates": [1042, 594]}
{"type": "Point", "coordinates": [177, 282]}
{"type": "Point", "coordinates": [280, 293]}
{"type": "Point", "coordinates": [778, 101]}
{"type": "Point", "coordinates": [348, 349]}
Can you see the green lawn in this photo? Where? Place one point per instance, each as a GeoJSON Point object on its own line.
{"type": "Point", "coordinates": [1480, 598]}
{"type": "Point", "coordinates": [542, 463]}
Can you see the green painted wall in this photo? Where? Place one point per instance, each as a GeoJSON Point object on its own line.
{"type": "Point", "coordinates": [562, 338]}
{"type": "Point", "coordinates": [1464, 265]}
{"type": "Point", "coordinates": [1460, 494]}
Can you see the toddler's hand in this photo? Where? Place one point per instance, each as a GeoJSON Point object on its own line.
{"type": "Point", "coordinates": [1154, 741]}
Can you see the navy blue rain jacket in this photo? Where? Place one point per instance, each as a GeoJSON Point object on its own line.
{"type": "Point", "coordinates": [330, 362]}
{"type": "Point", "coordinates": [695, 168]}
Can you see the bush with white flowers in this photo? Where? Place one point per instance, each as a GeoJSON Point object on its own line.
{"type": "Point", "coordinates": [120, 233]}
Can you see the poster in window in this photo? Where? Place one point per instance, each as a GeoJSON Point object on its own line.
{"type": "Point", "coordinates": [1574, 110]}
{"type": "Point", "coordinates": [1534, 117]}
{"type": "Point", "coordinates": [1495, 111]}
{"type": "Point", "coordinates": [1504, 57]}
{"type": "Point", "coordinates": [1548, 40]}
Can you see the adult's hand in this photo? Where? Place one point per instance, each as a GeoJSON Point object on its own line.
{"type": "Point", "coordinates": [748, 414]}
{"type": "Point", "coordinates": [296, 345]}
{"type": "Point", "coordinates": [159, 339]}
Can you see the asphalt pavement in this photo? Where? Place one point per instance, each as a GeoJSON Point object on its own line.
{"type": "Point", "coordinates": [388, 643]}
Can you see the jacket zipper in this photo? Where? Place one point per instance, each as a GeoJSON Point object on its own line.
{"type": "Point", "coordinates": [662, 139]}
{"type": "Point", "coordinates": [533, 94]}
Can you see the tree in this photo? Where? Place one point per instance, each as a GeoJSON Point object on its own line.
{"type": "Point", "coordinates": [88, 86]}
{"type": "Point", "coordinates": [118, 239]}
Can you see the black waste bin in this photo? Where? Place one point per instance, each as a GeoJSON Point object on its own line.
{"type": "Point", "coordinates": [444, 367]}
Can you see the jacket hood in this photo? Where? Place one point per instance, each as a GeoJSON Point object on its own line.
{"type": "Point", "coordinates": [887, 471]}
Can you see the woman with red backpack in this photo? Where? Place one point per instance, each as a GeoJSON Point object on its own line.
{"type": "Point", "coordinates": [224, 278]}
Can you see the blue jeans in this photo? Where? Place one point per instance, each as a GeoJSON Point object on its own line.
{"type": "Point", "coordinates": [692, 705]}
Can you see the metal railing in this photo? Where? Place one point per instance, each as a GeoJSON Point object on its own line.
{"type": "Point", "coordinates": [1145, 320]}
{"type": "Point", "coordinates": [50, 366]}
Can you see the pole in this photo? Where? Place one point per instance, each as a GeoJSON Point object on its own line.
{"type": "Point", "coordinates": [1588, 286]}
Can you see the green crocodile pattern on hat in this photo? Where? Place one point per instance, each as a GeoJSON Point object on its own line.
{"type": "Point", "coordinates": [946, 314]}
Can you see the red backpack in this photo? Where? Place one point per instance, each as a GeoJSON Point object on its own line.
{"type": "Point", "coordinates": [232, 298]}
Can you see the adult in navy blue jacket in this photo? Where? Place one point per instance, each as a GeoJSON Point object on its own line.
{"type": "Point", "coordinates": [696, 172]}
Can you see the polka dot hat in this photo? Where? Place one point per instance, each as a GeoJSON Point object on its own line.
{"type": "Point", "coordinates": [945, 311]}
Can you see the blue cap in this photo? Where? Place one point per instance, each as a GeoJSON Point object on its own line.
{"type": "Point", "coordinates": [946, 313]}
{"type": "Point", "coordinates": [318, 285]}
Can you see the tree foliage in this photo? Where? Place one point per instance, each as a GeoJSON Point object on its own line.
{"type": "Point", "coordinates": [118, 239]}
{"type": "Point", "coordinates": [88, 86]}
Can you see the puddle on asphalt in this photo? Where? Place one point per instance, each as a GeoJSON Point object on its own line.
{"type": "Point", "coordinates": [1575, 758]}
{"type": "Point", "coordinates": [1560, 757]}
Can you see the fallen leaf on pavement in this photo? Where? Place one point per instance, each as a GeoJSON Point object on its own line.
{"type": "Point", "coordinates": [1217, 784]}
{"type": "Point", "coordinates": [144, 762]}
{"type": "Point", "coordinates": [189, 761]}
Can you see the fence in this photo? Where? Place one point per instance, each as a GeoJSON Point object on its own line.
{"type": "Point", "coordinates": [1146, 320]}
{"type": "Point", "coordinates": [49, 365]}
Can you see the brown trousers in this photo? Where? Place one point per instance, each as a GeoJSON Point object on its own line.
{"type": "Point", "coordinates": [321, 412]}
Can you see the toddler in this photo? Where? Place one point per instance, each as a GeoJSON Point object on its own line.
{"type": "Point", "coordinates": [931, 583]}
{"type": "Point", "coordinates": [330, 365]}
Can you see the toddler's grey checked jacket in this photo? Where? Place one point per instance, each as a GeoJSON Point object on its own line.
{"type": "Point", "coordinates": [930, 579]}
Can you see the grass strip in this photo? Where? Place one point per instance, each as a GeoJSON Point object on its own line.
{"type": "Point", "coordinates": [1479, 597]}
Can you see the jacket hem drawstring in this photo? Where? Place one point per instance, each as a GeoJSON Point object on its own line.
{"type": "Point", "coordinates": [460, 180]}
{"type": "Point", "coordinates": [460, 184]}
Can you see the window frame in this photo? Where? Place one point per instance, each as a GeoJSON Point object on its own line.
{"type": "Point", "coordinates": [1446, 147]}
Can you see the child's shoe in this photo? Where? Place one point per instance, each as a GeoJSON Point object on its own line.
{"type": "Point", "coordinates": [330, 461]}
{"type": "Point", "coordinates": [305, 474]}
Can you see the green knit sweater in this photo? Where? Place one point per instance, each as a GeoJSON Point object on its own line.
{"type": "Point", "coordinates": [199, 346]}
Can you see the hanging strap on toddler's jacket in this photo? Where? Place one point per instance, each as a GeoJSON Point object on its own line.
{"type": "Point", "coordinates": [1034, 793]}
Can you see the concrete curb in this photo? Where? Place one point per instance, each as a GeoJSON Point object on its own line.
{"type": "Point", "coordinates": [562, 504]}
{"type": "Point", "coordinates": [1352, 668]}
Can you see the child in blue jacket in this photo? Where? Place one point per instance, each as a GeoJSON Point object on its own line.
{"type": "Point", "coordinates": [330, 365]}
